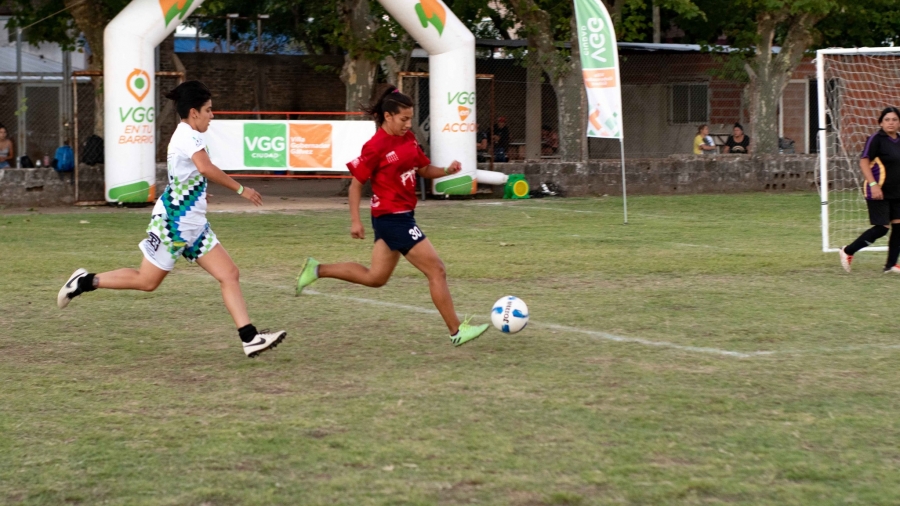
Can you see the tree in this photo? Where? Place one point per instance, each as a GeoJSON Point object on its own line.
{"type": "Point", "coordinates": [546, 22]}
{"type": "Point", "coordinates": [757, 27]}
{"type": "Point", "coordinates": [88, 17]}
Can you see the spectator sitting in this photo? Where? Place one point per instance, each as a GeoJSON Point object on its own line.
{"type": "Point", "coordinates": [549, 141]}
{"type": "Point", "coordinates": [738, 142]}
{"type": "Point", "coordinates": [703, 142]}
{"type": "Point", "coordinates": [7, 150]}
{"type": "Point", "coordinates": [482, 146]}
{"type": "Point", "coordinates": [501, 140]}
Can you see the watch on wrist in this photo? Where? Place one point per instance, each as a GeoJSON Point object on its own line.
{"type": "Point", "coordinates": [873, 183]}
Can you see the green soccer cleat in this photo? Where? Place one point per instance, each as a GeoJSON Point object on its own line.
{"type": "Point", "coordinates": [309, 273]}
{"type": "Point", "coordinates": [467, 332]}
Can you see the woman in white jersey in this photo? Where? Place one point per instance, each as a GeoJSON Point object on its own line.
{"type": "Point", "coordinates": [179, 227]}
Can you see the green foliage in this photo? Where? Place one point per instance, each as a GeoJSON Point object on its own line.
{"type": "Point", "coordinates": [869, 23]}
{"type": "Point", "coordinates": [846, 23]}
{"type": "Point", "coordinates": [59, 27]}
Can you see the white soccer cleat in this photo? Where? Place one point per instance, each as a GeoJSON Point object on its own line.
{"type": "Point", "coordinates": [845, 259]}
{"type": "Point", "coordinates": [263, 341]}
{"type": "Point", "coordinates": [893, 270]}
{"type": "Point", "coordinates": [70, 289]}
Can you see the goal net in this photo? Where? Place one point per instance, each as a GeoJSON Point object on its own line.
{"type": "Point", "coordinates": [854, 85]}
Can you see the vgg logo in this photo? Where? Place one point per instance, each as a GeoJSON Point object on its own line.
{"type": "Point", "coordinates": [136, 114]}
{"type": "Point", "coordinates": [265, 143]}
{"type": "Point", "coordinates": [461, 98]}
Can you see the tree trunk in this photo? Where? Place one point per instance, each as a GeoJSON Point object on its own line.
{"type": "Point", "coordinates": [769, 73]}
{"type": "Point", "coordinates": [533, 105]}
{"type": "Point", "coordinates": [657, 25]}
{"type": "Point", "coordinates": [393, 65]}
{"type": "Point", "coordinates": [358, 76]}
{"type": "Point", "coordinates": [570, 98]}
{"type": "Point", "coordinates": [91, 20]}
{"type": "Point", "coordinates": [358, 73]}
{"type": "Point", "coordinates": [564, 74]}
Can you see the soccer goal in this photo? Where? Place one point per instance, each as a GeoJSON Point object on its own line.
{"type": "Point", "coordinates": [854, 85]}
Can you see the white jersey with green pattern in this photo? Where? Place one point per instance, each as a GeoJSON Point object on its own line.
{"type": "Point", "coordinates": [184, 199]}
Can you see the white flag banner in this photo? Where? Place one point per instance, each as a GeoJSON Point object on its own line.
{"type": "Point", "coordinates": [600, 68]}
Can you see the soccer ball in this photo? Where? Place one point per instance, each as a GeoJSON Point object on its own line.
{"type": "Point", "coordinates": [510, 314]}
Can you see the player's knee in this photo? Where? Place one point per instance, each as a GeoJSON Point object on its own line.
{"type": "Point", "coordinates": [438, 271]}
{"type": "Point", "coordinates": [230, 275]}
{"type": "Point", "coordinates": [378, 281]}
{"type": "Point", "coordinates": [149, 284]}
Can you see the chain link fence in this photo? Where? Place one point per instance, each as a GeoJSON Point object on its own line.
{"type": "Point", "coordinates": [666, 96]}
{"type": "Point", "coordinates": [33, 114]}
{"type": "Point", "coordinates": [665, 99]}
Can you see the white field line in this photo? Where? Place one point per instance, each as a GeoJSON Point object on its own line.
{"type": "Point", "coordinates": [605, 336]}
{"type": "Point", "coordinates": [543, 208]}
{"type": "Point", "coordinates": [563, 328]}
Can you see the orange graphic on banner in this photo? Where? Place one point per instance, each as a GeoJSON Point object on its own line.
{"type": "Point", "coordinates": [138, 84]}
{"type": "Point", "coordinates": [595, 120]}
{"type": "Point", "coordinates": [432, 12]}
{"type": "Point", "coordinates": [600, 78]}
{"type": "Point", "coordinates": [174, 8]}
{"type": "Point", "coordinates": [310, 146]}
{"type": "Point", "coordinates": [463, 112]}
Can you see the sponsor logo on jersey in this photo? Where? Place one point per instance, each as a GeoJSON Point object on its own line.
{"type": "Point", "coordinates": [408, 178]}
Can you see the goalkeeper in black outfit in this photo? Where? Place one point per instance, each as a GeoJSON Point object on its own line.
{"type": "Point", "coordinates": [880, 165]}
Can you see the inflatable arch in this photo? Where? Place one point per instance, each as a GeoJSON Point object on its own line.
{"type": "Point", "coordinates": [128, 75]}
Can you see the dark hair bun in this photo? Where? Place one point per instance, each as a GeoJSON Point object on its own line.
{"type": "Point", "coordinates": [189, 95]}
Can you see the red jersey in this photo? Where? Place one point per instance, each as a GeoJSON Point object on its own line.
{"type": "Point", "coordinates": [390, 161]}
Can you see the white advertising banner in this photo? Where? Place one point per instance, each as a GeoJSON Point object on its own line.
{"type": "Point", "coordinates": [323, 146]}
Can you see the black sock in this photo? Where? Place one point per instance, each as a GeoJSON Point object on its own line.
{"type": "Point", "coordinates": [866, 239]}
{"type": "Point", "coordinates": [247, 332]}
{"type": "Point", "coordinates": [86, 283]}
{"type": "Point", "coordinates": [893, 246]}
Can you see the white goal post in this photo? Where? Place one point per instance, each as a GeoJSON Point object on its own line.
{"type": "Point", "coordinates": [854, 85]}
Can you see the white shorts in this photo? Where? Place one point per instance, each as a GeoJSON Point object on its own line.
{"type": "Point", "coordinates": [166, 241]}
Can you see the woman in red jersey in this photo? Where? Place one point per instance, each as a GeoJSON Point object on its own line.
{"type": "Point", "coordinates": [391, 159]}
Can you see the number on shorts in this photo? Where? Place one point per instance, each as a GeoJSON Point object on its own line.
{"type": "Point", "coordinates": [415, 233]}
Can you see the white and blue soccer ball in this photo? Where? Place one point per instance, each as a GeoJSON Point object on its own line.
{"type": "Point", "coordinates": [510, 314]}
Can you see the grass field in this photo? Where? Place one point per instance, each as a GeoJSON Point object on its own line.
{"type": "Point", "coordinates": [706, 353]}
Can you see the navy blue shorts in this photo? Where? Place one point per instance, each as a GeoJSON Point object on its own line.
{"type": "Point", "coordinates": [398, 231]}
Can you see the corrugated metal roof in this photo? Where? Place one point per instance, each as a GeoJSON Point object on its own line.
{"type": "Point", "coordinates": [30, 62]}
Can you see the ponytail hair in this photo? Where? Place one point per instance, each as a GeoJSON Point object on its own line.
{"type": "Point", "coordinates": [189, 95]}
{"type": "Point", "coordinates": [389, 100]}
